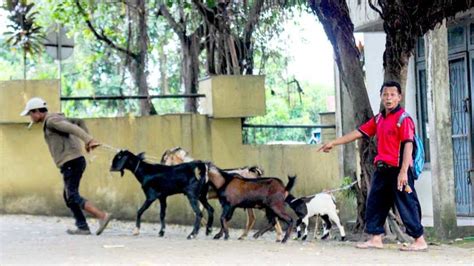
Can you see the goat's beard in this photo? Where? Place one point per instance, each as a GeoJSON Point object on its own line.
{"type": "Point", "coordinates": [122, 173]}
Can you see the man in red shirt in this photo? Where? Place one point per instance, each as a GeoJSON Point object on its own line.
{"type": "Point", "coordinates": [393, 180]}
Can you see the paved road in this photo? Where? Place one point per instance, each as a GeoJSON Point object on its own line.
{"type": "Point", "coordinates": [42, 240]}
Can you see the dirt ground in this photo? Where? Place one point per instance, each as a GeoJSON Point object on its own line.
{"type": "Point", "coordinates": [42, 240]}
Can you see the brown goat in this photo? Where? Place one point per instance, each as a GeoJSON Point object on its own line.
{"type": "Point", "coordinates": [178, 155]}
{"type": "Point", "coordinates": [266, 193]}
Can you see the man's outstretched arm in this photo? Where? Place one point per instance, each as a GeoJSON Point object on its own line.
{"type": "Point", "coordinates": [349, 137]}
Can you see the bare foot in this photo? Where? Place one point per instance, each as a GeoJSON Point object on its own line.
{"type": "Point", "coordinates": [136, 231]}
{"type": "Point", "coordinates": [369, 245]}
{"type": "Point", "coordinates": [374, 242]}
{"type": "Point", "coordinates": [418, 245]}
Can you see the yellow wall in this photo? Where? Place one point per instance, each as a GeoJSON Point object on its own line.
{"type": "Point", "coordinates": [15, 94]}
{"type": "Point", "coordinates": [233, 96]}
{"type": "Point", "coordinates": [30, 183]}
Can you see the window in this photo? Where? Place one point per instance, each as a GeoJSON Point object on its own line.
{"type": "Point", "coordinates": [456, 39]}
{"type": "Point", "coordinates": [422, 108]}
{"type": "Point", "coordinates": [420, 49]}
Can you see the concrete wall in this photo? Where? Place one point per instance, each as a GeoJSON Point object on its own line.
{"type": "Point", "coordinates": [233, 96]}
{"type": "Point", "coordinates": [30, 183]}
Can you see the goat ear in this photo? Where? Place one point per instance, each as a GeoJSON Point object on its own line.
{"type": "Point", "coordinates": [141, 155]}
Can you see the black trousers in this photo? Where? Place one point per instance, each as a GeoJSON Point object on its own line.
{"type": "Point", "coordinates": [72, 174]}
{"type": "Point", "coordinates": [383, 194]}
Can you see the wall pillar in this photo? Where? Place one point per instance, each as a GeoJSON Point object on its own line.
{"type": "Point", "coordinates": [439, 114]}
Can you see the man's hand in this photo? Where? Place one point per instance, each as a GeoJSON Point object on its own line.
{"type": "Point", "coordinates": [402, 180]}
{"type": "Point", "coordinates": [327, 147]}
{"type": "Point", "coordinates": [92, 145]}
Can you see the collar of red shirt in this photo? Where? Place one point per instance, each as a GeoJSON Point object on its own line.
{"type": "Point", "coordinates": [392, 112]}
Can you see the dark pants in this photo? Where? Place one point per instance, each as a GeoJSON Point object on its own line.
{"type": "Point", "coordinates": [383, 194]}
{"type": "Point", "coordinates": [72, 173]}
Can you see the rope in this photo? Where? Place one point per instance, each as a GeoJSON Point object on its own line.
{"type": "Point", "coordinates": [110, 148]}
{"type": "Point", "coordinates": [342, 188]}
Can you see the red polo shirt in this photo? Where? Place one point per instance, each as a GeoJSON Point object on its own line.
{"type": "Point", "coordinates": [390, 136]}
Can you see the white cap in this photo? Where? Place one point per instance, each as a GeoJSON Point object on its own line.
{"type": "Point", "coordinates": [32, 104]}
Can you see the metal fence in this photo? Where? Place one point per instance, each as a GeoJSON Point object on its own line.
{"type": "Point", "coordinates": [282, 134]}
{"type": "Point", "coordinates": [119, 105]}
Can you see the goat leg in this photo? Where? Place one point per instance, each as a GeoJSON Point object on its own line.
{"type": "Point", "coordinates": [288, 230]}
{"type": "Point", "coordinates": [162, 216]}
{"type": "Point", "coordinates": [250, 223]}
{"type": "Point", "coordinates": [278, 231]}
{"type": "Point", "coordinates": [335, 218]}
{"type": "Point", "coordinates": [210, 213]}
{"type": "Point", "coordinates": [279, 211]}
{"type": "Point", "coordinates": [226, 220]}
{"type": "Point", "coordinates": [142, 209]}
{"type": "Point", "coordinates": [271, 223]}
{"type": "Point", "coordinates": [326, 226]}
{"type": "Point", "coordinates": [225, 210]}
{"type": "Point", "coordinates": [198, 216]}
{"type": "Point", "coordinates": [305, 223]}
{"type": "Point", "coordinates": [298, 228]}
{"type": "Point", "coordinates": [263, 231]}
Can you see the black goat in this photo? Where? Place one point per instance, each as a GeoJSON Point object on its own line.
{"type": "Point", "coordinates": [160, 181]}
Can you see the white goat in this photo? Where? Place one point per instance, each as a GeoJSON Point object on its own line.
{"type": "Point", "coordinates": [322, 204]}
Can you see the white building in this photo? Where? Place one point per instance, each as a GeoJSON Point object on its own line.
{"type": "Point", "coordinates": [439, 92]}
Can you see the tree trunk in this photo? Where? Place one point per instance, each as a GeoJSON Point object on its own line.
{"type": "Point", "coordinates": [24, 64]}
{"type": "Point", "coordinates": [164, 85]}
{"type": "Point", "coordinates": [227, 52]}
{"type": "Point", "coordinates": [190, 68]}
{"type": "Point", "coordinates": [334, 15]}
{"type": "Point", "coordinates": [146, 106]}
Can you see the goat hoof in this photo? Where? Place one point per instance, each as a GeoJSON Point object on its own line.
{"type": "Point", "coordinates": [241, 238]}
{"type": "Point", "coordinates": [226, 237]}
{"type": "Point", "coordinates": [161, 233]}
{"type": "Point", "coordinates": [324, 237]}
{"type": "Point", "coordinates": [278, 240]}
{"type": "Point", "coordinates": [208, 231]}
{"type": "Point", "coordinates": [304, 237]}
{"type": "Point", "coordinates": [256, 235]}
{"type": "Point", "coordinates": [191, 236]}
{"type": "Point", "coordinates": [343, 238]}
{"type": "Point", "coordinates": [217, 236]}
{"type": "Point", "coordinates": [136, 231]}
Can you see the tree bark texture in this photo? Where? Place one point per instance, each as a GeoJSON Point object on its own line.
{"type": "Point", "coordinates": [136, 62]}
{"type": "Point", "coordinates": [334, 15]}
{"type": "Point", "coordinates": [406, 20]}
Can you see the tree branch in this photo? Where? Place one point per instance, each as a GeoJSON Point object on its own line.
{"type": "Point", "coordinates": [177, 28]}
{"type": "Point", "coordinates": [252, 20]}
{"type": "Point", "coordinates": [376, 9]}
{"type": "Point", "coordinates": [207, 13]}
{"type": "Point", "coordinates": [102, 36]}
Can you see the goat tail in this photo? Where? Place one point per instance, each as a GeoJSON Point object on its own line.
{"type": "Point", "coordinates": [291, 183]}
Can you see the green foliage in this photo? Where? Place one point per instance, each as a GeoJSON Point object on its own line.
{"type": "Point", "coordinates": [350, 193]}
{"type": "Point", "coordinates": [95, 69]}
{"type": "Point", "coordinates": [24, 32]}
